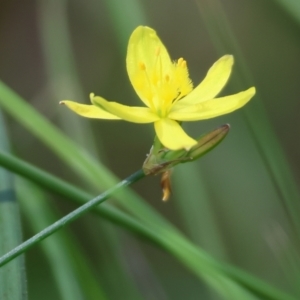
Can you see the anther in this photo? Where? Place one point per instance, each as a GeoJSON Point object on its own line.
{"type": "Point", "coordinates": [181, 62]}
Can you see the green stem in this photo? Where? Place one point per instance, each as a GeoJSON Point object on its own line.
{"type": "Point", "coordinates": [70, 217]}
{"type": "Point", "coordinates": [68, 191]}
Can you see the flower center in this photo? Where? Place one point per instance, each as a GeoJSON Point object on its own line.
{"type": "Point", "coordinates": [167, 82]}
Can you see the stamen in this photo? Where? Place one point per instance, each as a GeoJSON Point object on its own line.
{"type": "Point", "coordinates": [181, 62]}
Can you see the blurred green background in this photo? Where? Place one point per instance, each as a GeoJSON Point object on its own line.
{"type": "Point", "coordinates": [235, 203]}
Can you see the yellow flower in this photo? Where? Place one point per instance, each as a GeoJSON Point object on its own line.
{"type": "Point", "coordinates": [167, 91]}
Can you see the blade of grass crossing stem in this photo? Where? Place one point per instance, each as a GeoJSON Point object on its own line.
{"type": "Point", "coordinates": [255, 114]}
{"type": "Point", "coordinates": [12, 276]}
{"type": "Point", "coordinates": [71, 271]}
{"type": "Point", "coordinates": [199, 262]}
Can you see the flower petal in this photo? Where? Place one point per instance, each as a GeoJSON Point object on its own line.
{"type": "Point", "coordinates": [145, 53]}
{"type": "Point", "coordinates": [172, 136]}
{"type": "Point", "coordinates": [213, 83]}
{"type": "Point", "coordinates": [128, 113]}
{"type": "Point", "coordinates": [212, 108]}
{"type": "Point", "coordinates": [89, 111]}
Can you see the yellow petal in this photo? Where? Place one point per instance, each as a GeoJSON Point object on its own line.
{"type": "Point", "coordinates": [172, 136]}
{"type": "Point", "coordinates": [212, 108]}
{"type": "Point", "coordinates": [128, 113]}
{"type": "Point", "coordinates": [89, 111]}
{"type": "Point", "coordinates": [213, 83]}
{"type": "Point", "coordinates": [146, 55]}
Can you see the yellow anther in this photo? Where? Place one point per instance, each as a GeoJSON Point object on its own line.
{"type": "Point", "coordinates": [181, 62]}
{"type": "Point", "coordinates": [142, 66]}
{"type": "Point", "coordinates": [167, 77]}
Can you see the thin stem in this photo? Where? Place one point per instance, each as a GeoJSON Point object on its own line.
{"type": "Point", "coordinates": [70, 192]}
{"type": "Point", "coordinates": [72, 216]}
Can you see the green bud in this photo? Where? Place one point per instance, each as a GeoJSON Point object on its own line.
{"type": "Point", "coordinates": [161, 159]}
